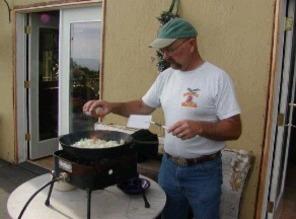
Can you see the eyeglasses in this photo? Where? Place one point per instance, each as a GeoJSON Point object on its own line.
{"type": "Point", "coordinates": [171, 49]}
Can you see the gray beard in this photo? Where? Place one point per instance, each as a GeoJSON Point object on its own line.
{"type": "Point", "coordinates": [174, 64]}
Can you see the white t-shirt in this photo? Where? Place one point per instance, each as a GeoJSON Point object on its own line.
{"type": "Point", "coordinates": [203, 94]}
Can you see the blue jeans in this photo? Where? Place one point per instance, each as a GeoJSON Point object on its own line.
{"type": "Point", "coordinates": [198, 186]}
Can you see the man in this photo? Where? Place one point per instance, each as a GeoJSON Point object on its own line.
{"type": "Point", "coordinates": [201, 112]}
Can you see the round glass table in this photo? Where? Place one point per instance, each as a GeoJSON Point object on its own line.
{"type": "Point", "coordinates": [109, 203]}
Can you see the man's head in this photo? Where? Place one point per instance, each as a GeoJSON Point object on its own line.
{"type": "Point", "coordinates": [176, 40]}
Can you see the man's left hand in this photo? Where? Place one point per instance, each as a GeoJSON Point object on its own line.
{"type": "Point", "coordinates": [185, 129]}
{"type": "Point", "coordinates": [221, 130]}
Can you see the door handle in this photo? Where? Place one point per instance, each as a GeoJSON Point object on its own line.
{"type": "Point", "coordinates": [292, 104]}
{"type": "Point", "coordinates": [290, 125]}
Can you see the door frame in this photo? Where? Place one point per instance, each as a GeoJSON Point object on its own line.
{"type": "Point", "coordinates": [273, 109]}
{"type": "Point", "coordinates": [19, 14]}
{"type": "Point", "coordinates": [278, 171]}
{"type": "Point", "coordinates": [38, 148]}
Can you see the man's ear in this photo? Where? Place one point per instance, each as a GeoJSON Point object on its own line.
{"type": "Point", "coordinates": [192, 44]}
{"type": "Point", "coordinates": [192, 48]}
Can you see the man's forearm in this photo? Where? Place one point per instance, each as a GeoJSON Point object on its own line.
{"type": "Point", "coordinates": [229, 129]}
{"type": "Point", "coordinates": [131, 107]}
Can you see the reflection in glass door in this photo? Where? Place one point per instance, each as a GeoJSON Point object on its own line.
{"type": "Point", "coordinates": [84, 72]}
{"type": "Point", "coordinates": [79, 66]}
{"type": "Point", "coordinates": [48, 83]}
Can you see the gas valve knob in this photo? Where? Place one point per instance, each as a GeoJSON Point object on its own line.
{"type": "Point", "coordinates": [64, 176]}
{"type": "Point", "coordinates": [110, 172]}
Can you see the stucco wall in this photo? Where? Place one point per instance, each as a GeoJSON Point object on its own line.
{"type": "Point", "coordinates": [6, 87]}
{"type": "Point", "coordinates": [235, 35]}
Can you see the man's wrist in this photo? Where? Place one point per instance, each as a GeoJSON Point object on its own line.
{"type": "Point", "coordinates": [205, 129]}
{"type": "Point", "coordinates": [199, 128]}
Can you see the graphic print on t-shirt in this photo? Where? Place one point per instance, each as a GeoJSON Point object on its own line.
{"type": "Point", "coordinates": [190, 95]}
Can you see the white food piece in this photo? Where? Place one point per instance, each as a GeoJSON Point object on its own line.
{"type": "Point", "coordinates": [98, 110]}
{"type": "Point", "coordinates": [87, 113]}
{"type": "Point", "coordinates": [96, 143]}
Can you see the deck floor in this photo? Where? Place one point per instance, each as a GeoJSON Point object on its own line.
{"type": "Point", "coordinates": [46, 162]}
{"type": "Point", "coordinates": [11, 176]}
{"type": "Point", "coordinates": [14, 175]}
{"type": "Point", "coordinates": [289, 197]}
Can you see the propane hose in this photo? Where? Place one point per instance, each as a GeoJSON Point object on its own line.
{"type": "Point", "coordinates": [39, 190]}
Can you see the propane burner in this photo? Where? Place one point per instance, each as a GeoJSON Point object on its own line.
{"type": "Point", "coordinates": [94, 174]}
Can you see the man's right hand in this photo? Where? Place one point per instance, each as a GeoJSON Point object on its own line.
{"type": "Point", "coordinates": [100, 108]}
{"type": "Point", "coordinates": [97, 108]}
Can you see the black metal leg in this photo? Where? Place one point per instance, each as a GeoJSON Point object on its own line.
{"type": "Point", "coordinates": [47, 202]}
{"type": "Point", "coordinates": [147, 204]}
{"type": "Point", "coordinates": [88, 202]}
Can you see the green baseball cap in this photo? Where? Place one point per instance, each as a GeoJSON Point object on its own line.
{"type": "Point", "coordinates": [176, 28]}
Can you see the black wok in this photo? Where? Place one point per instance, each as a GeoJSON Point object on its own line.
{"type": "Point", "coordinates": [96, 153]}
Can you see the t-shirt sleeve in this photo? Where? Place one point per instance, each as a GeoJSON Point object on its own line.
{"type": "Point", "coordinates": [226, 102]}
{"type": "Point", "coordinates": [152, 96]}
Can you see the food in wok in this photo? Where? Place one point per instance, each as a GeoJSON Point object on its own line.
{"type": "Point", "coordinates": [97, 143]}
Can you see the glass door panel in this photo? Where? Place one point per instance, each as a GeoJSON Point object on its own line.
{"type": "Point", "coordinates": [79, 66]}
{"type": "Point", "coordinates": [84, 72]}
{"type": "Point", "coordinates": [48, 83]}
